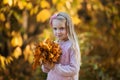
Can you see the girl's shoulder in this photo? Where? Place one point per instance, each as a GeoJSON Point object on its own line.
{"type": "Point", "coordinates": [67, 45]}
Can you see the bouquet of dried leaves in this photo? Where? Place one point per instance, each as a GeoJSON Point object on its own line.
{"type": "Point", "coordinates": [46, 51]}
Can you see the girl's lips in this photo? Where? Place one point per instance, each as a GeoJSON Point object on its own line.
{"type": "Point", "coordinates": [58, 35]}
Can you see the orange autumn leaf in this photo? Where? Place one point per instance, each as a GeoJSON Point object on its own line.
{"type": "Point", "coordinates": [46, 51]}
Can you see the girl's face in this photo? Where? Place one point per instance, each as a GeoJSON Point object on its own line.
{"type": "Point", "coordinates": [59, 29]}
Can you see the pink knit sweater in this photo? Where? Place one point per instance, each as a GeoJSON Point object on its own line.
{"type": "Point", "coordinates": [67, 69]}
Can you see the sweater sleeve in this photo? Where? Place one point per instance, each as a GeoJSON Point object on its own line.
{"type": "Point", "coordinates": [68, 70]}
{"type": "Point", "coordinates": [45, 69]}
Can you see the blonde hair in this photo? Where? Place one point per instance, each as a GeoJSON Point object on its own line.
{"type": "Point", "coordinates": [70, 32]}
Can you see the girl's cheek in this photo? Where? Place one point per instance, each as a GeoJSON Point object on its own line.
{"type": "Point", "coordinates": [54, 33]}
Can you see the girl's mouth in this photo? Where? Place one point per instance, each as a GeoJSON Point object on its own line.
{"type": "Point", "coordinates": [58, 35]}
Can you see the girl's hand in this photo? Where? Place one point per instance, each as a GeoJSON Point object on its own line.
{"type": "Point", "coordinates": [49, 65]}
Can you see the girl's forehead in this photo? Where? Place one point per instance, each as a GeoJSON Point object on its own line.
{"type": "Point", "coordinates": [58, 22]}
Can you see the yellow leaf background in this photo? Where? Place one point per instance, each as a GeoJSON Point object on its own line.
{"type": "Point", "coordinates": [43, 15]}
{"type": "Point", "coordinates": [17, 52]}
{"type": "Point", "coordinates": [2, 17]}
{"type": "Point", "coordinates": [44, 4]}
{"type": "Point", "coordinates": [16, 40]}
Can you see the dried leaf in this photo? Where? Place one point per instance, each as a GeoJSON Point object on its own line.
{"type": "Point", "coordinates": [46, 51]}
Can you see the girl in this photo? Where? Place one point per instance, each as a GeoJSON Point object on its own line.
{"type": "Point", "coordinates": [69, 64]}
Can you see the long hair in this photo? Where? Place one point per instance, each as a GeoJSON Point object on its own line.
{"type": "Point", "coordinates": [70, 32]}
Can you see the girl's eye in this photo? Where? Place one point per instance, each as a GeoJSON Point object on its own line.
{"type": "Point", "coordinates": [55, 28]}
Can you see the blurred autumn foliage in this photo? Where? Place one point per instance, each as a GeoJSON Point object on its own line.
{"type": "Point", "coordinates": [97, 23]}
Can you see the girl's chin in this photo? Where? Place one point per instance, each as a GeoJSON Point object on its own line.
{"type": "Point", "coordinates": [59, 38]}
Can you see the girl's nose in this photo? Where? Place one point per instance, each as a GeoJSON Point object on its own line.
{"type": "Point", "coordinates": [58, 31]}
